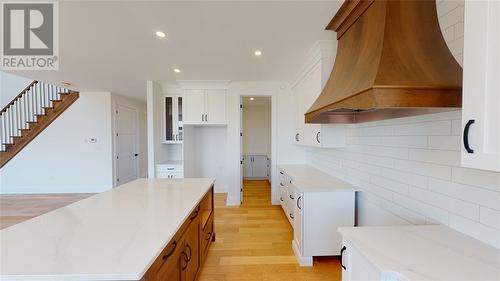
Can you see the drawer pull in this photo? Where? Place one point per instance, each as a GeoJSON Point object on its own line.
{"type": "Point", "coordinates": [170, 169]}
{"type": "Point", "coordinates": [166, 256]}
{"type": "Point", "coordinates": [190, 252]}
{"type": "Point", "coordinates": [186, 261]}
{"type": "Point", "coordinates": [291, 197]}
{"type": "Point", "coordinates": [195, 215]}
{"type": "Point", "coordinates": [466, 136]}
{"type": "Point", "coordinates": [281, 173]}
{"type": "Point", "coordinates": [281, 184]}
{"type": "Point", "coordinates": [291, 216]}
{"type": "Point", "coordinates": [209, 234]}
{"type": "Point", "coordinates": [281, 199]}
{"type": "Point", "coordinates": [342, 257]}
{"type": "Point", "coordinates": [298, 203]}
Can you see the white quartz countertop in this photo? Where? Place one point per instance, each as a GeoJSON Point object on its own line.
{"type": "Point", "coordinates": [307, 178]}
{"type": "Point", "coordinates": [114, 235]}
{"type": "Point", "coordinates": [429, 252]}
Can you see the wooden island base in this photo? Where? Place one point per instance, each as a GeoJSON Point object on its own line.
{"type": "Point", "coordinates": [183, 256]}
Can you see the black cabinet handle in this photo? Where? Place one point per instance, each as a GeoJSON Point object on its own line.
{"type": "Point", "coordinates": [466, 136]}
{"type": "Point", "coordinates": [281, 172]}
{"type": "Point", "coordinates": [291, 197]}
{"type": "Point", "coordinates": [281, 199]}
{"type": "Point", "coordinates": [298, 201]}
{"type": "Point", "coordinates": [281, 184]}
{"type": "Point", "coordinates": [297, 136]}
{"type": "Point", "coordinates": [166, 256]}
{"type": "Point", "coordinates": [136, 155]}
{"type": "Point", "coordinates": [342, 257]}
{"type": "Point", "coordinates": [317, 137]}
{"type": "Point", "coordinates": [291, 216]}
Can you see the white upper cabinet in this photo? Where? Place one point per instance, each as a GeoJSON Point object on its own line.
{"type": "Point", "coordinates": [173, 119]}
{"type": "Point", "coordinates": [481, 86]}
{"type": "Point", "coordinates": [205, 107]}
{"type": "Point", "coordinates": [306, 89]}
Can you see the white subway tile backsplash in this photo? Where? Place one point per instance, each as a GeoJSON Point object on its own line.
{"type": "Point", "coordinates": [444, 142]}
{"type": "Point", "coordinates": [405, 141]}
{"type": "Point", "coordinates": [477, 230]}
{"type": "Point", "coordinates": [476, 195]}
{"type": "Point", "coordinates": [412, 179]}
{"type": "Point", "coordinates": [456, 127]}
{"type": "Point", "coordinates": [490, 217]}
{"type": "Point", "coordinates": [439, 128]}
{"type": "Point", "coordinates": [443, 157]}
{"type": "Point", "coordinates": [434, 215]}
{"type": "Point", "coordinates": [453, 205]}
{"type": "Point", "coordinates": [449, 33]}
{"type": "Point", "coordinates": [425, 169]}
{"type": "Point", "coordinates": [484, 179]}
{"type": "Point", "coordinates": [390, 184]}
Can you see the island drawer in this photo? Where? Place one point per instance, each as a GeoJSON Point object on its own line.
{"type": "Point", "coordinates": [207, 236]}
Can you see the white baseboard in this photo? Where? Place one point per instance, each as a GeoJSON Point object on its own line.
{"type": "Point", "coordinates": [303, 261]}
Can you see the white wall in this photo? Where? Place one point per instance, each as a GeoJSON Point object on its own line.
{"type": "Point", "coordinates": [141, 108]}
{"type": "Point", "coordinates": [61, 159]}
{"type": "Point", "coordinates": [10, 86]}
{"type": "Point", "coordinates": [257, 130]}
{"type": "Point", "coordinates": [157, 151]}
{"type": "Point", "coordinates": [409, 170]}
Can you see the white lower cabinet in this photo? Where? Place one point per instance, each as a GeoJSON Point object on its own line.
{"type": "Point", "coordinates": [255, 166]}
{"type": "Point", "coordinates": [355, 267]}
{"type": "Point", "coordinates": [315, 214]}
{"type": "Point", "coordinates": [169, 171]}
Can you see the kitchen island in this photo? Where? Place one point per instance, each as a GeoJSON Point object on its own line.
{"type": "Point", "coordinates": [148, 229]}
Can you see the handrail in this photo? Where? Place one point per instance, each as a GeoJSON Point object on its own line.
{"type": "Point", "coordinates": [18, 96]}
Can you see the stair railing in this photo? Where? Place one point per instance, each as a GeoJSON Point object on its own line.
{"type": "Point", "coordinates": [25, 109]}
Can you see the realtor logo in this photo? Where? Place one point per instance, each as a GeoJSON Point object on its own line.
{"type": "Point", "coordinates": [29, 36]}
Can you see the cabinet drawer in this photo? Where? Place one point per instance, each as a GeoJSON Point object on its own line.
{"type": "Point", "coordinates": [169, 168]}
{"type": "Point", "coordinates": [207, 235]}
{"type": "Point", "coordinates": [169, 175]}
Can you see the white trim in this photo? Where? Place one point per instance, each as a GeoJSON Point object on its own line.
{"type": "Point", "coordinates": [303, 261]}
{"type": "Point", "coordinates": [323, 49]}
{"type": "Point", "coordinates": [204, 84]}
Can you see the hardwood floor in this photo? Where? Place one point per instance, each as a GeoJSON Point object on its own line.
{"type": "Point", "coordinates": [253, 240]}
{"type": "Point", "coordinates": [18, 208]}
{"type": "Point", "coordinates": [254, 243]}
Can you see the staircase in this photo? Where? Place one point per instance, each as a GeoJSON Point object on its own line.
{"type": "Point", "coordinates": [28, 114]}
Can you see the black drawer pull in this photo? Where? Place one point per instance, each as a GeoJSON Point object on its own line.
{"type": "Point", "coordinates": [281, 173]}
{"type": "Point", "coordinates": [282, 184]}
{"type": "Point", "coordinates": [195, 215]}
{"type": "Point", "coordinates": [466, 136]}
{"type": "Point", "coordinates": [291, 197]}
{"type": "Point", "coordinates": [298, 203]}
{"type": "Point", "coordinates": [291, 216]}
{"type": "Point", "coordinates": [281, 199]}
{"type": "Point", "coordinates": [342, 257]}
{"type": "Point", "coordinates": [166, 256]}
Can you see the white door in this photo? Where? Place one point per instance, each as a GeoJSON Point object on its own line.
{"type": "Point", "coordinates": [241, 151]}
{"type": "Point", "coordinates": [481, 86]}
{"type": "Point", "coordinates": [194, 107]}
{"type": "Point", "coordinates": [259, 166]}
{"type": "Point", "coordinates": [126, 144]}
{"type": "Point", "coordinates": [215, 107]}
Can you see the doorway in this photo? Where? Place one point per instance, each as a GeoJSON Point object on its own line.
{"type": "Point", "coordinates": [126, 143]}
{"type": "Point", "coordinates": [255, 142]}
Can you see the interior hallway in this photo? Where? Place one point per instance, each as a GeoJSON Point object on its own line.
{"type": "Point", "coordinates": [254, 242]}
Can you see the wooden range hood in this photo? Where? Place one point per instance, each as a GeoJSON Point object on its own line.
{"type": "Point", "coordinates": [392, 61]}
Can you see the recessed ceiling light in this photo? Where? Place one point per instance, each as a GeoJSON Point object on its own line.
{"type": "Point", "coordinates": [176, 70]}
{"type": "Point", "coordinates": [257, 53]}
{"type": "Point", "coordinates": [252, 98]}
{"type": "Point", "coordinates": [160, 34]}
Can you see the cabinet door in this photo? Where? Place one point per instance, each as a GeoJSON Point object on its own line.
{"type": "Point", "coordinates": [191, 249]}
{"type": "Point", "coordinates": [247, 166]}
{"type": "Point", "coordinates": [357, 267]}
{"type": "Point", "coordinates": [194, 107]}
{"type": "Point", "coordinates": [169, 118]}
{"type": "Point", "coordinates": [216, 107]}
{"type": "Point", "coordinates": [481, 86]}
{"type": "Point", "coordinates": [178, 121]}
{"type": "Point", "coordinates": [259, 166]}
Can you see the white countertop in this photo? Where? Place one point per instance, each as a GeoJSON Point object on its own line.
{"type": "Point", "coordinates": [429, 252]}
{"type": "Point", "coordinates": [307, 178]}
{"type": "Point", "coordinates": [114, 235]}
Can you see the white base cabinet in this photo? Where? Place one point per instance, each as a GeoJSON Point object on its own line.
{"type": "Point", "coordinates": [255, 166]}
{"type": "Point", "coordinates": [355, 267]}
{"type": "Point", "coordinates": [169, 171]}
{"type": "Point", "coordinates": [316, 213]}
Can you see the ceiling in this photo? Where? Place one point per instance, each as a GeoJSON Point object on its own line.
{"type": "Point", "coordinates": [112, 46]}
